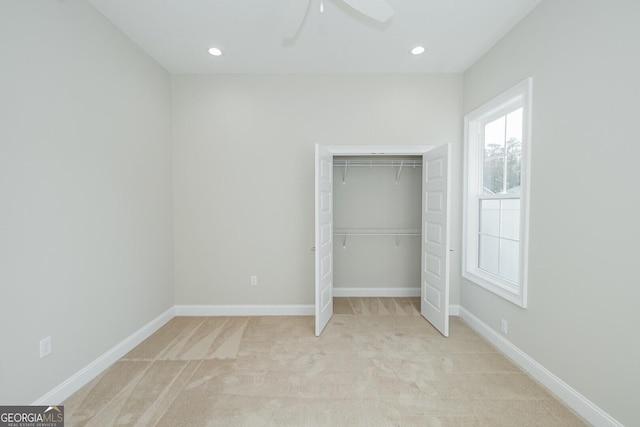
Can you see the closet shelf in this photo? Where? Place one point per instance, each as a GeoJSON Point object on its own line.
{"type": "Point", "coordinates": [377, 232]}
{"type": "Point", "coordinates": [347, 163]}
{"type": "Point", "coordinates": [382, 162]}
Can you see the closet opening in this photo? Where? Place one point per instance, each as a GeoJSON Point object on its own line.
{"type": "Point", "coordinates": [382, 227]}
{"type": "Point", "coordinates": [377, 229]}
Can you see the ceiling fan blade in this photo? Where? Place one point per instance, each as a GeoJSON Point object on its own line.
{"type": "Point", "coordinates": [296, 10]}
{"type": "Point", "coordinates": [374, 9]}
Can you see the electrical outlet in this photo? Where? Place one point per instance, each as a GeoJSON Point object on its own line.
{"type": "Point", "coordinates": [504, 326]}
{"type": "Point", "coordinates": [254, 280]}
{"type": "Point", "coordinates": [45, 347]}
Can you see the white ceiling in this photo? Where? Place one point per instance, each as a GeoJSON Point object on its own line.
{"type": "Point", "coordinates": [178, 33]}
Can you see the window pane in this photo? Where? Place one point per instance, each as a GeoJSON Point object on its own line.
{"type": "Point", "coordinates": [509, 259]}
{"type": "Point", "coordinates": [493, 175]}
{"type": "Point", "coordinates": [513, 173]}
{"type": "Point", "coordinates": [489, 254]}
{"type": "Point", "coordinates": [510, 219]}
{"type": "Point", "coordinates": [494, 152]}
{"type": "Point", "coordinates": [494, 136]}
{"type": "Point", "coordinates": [514, 146]}
{"type": "Point", "coordinates": [490, 217]}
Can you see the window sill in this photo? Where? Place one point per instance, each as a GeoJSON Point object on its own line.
{"type": "Point", "coordinates": [497, 287]}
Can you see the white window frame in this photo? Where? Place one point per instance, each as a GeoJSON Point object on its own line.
{"type": "Point", "coordinates": [516, 97]}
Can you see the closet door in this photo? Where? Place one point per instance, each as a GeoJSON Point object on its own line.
{"type": "Point", "coordinates": [324, 237]}
{"type": "Point", "coordinates": [434, 289]}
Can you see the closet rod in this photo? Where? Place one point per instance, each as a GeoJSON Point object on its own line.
{"type": "Point", "coordinates": [398, 233]}
{"type": "Point", "coordinates": [377, 232]}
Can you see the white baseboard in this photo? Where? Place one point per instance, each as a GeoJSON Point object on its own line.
{"type": "Point", "coordinates": [244, 310]}
{"type": "Point", "coordinates": [376, 292]}
{"type": "Point", "coordinates": [261, 310]}
{"type": "Point", "coordinates": [454, 310]}
{"type": "Point", "coordinates": [583, 406]}
{"type": "Point", "coordinates": [95, 368]}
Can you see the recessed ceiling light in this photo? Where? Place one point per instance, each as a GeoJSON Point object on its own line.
{"type": "Point", "coordinates": [215, 51]}
{"type": "Point", "coordinates": [418, 50]}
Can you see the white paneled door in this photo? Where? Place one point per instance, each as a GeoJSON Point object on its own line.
{"type": "Point", "coordinates": [436, 199]}
{"type": "Point", "coordinates": [324, 237]}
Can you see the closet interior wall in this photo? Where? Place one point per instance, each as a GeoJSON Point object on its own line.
{"type": "Point", "coordinates": [377, 223]}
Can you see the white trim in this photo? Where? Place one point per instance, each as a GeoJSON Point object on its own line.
{"type": "Point", "coordinates": [583, 406]}
{"type": "Point", "coordinates": [376, 292]}
{"type": "Point", "coordinates": [355, 150]}
{"type": "Point", "coordinates": [95, 368]}
{"type": "Point", "coordinates": [374, 150]}
{"type": "Point", "coordinates": [244, 310]}
{"type": "Point", "coordinates": [515, 293]}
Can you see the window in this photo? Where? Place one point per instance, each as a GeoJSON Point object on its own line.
{"type": "Point", "coordinates": [497, 147]}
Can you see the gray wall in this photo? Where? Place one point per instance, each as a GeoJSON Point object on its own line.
{"type": "Point", "coordinates": [244, 170]}
{"type": "Point", "coordinates": [85, 190]}
{"type": "Point", "coordinates": [583, 318]}
{"type": "Point", "coordinates": [371, 198]}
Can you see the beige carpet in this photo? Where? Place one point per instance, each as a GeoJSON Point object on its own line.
{"type": "Point", "coordinates": [378, 363]}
